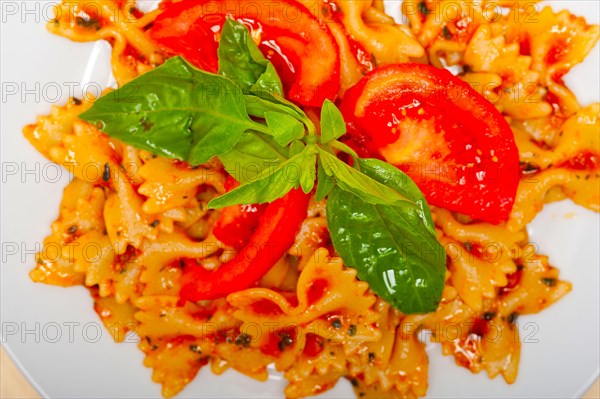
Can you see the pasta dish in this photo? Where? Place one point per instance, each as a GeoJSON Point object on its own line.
{"type": "Point", "coordinates": [309, 184]}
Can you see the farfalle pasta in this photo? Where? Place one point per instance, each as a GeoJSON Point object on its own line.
{"type": "Point", "coordinates": [130, 220]}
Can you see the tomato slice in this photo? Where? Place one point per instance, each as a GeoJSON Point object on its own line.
{"type": "Point", "coordinates": [275, 234]}
{"type": "Point", "coordinates": [314, 345]}
{"type": "Point", "coordinates": [450, 140]}
{"type": "Point", "coordinates": [301, 48]}
{"type": "Point", "coordinates": [237, 223]}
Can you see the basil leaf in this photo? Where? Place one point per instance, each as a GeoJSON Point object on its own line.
{"type": "Point", "coordinates": [268, 82]}
{"type": "Point", "coordinates": [332, 122]}
{"type": "Point", "coordinates": [285, 128]}
{"type": "Point", "coordinates": [393, 177]}
{"type": "Point", "coordinates": [353, 181]}
{"type": "Point", "coordinates": [258, 104]}
{"type": "Point", "coordinates": [324, 183]}
{"type": "Point", "coordinates": [241, 60]}
{"type": "Point", "coordinates": [176, 111]}
{"type": "Point", "coordinates": [392, 247]}
{"type": "Point", "coordinates": [271, 184]}
{"type": "Point", "coordinates": [338, 145]}
{"type": "Point", "coordinates": [309, 172]}
{"type": "Point", "coordinates": [253, 154]}
{"type": "Point", "coordinates": [296, 147]}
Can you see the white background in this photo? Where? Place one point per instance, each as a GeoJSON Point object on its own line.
{"type": "Point", "coordinates": [562, 363]}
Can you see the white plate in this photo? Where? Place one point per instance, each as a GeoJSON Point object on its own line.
{"type": "Point", "coordinates": [57, 340]}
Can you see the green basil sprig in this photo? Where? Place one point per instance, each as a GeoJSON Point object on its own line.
{"type": "Point", "coordinates": [392, 247]}
{"type": "Point", "coordinates": [379, 221]}
{"type": "Point", "coordinates": [176, 111]}
{"type": "Point", "coordinates": [241, 61]}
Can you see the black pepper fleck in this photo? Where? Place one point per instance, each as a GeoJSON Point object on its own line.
{"type": "Point", "coordinates": [352, 330]}
{"type": "Point", "coordinates": [146, 125]}
{"type": "Point", "coordinates": [336, 323]}
{"type": "Point", "coordinates": [88, 23]}
{"type": "Point", "coordinates": [446, 33]}
{"type": "Point", "coordinates": [371, 357]}
{"type": "Point", "coordinates": [487, 316]}
{"type": "Point", "coordinates": [106, 173]}
{"type": "Point", "coordinates": [284, 342]}
{"type": "Point", "coordinates": [243, 340]}
{"type": "Point", "coordinates": [549, 281]}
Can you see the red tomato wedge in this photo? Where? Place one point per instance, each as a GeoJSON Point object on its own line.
{"type": "Point", "coordinates": [301, 48]}
{"type": "Point", "coordinates": [275, 234]}
{"type": "Point", "coordinates": [450, 140]}
{"type": "Point", "coordinates": [237, 223]}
